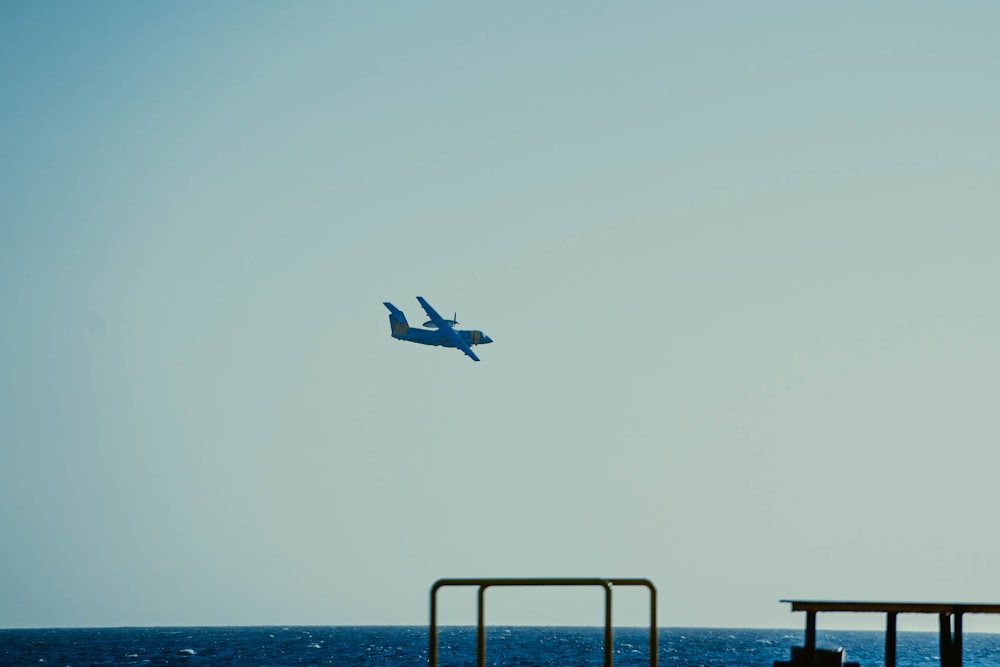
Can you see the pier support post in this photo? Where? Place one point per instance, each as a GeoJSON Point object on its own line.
{"type": "Point", "coordinates": [957, 642]}
{"type": "Point", "coordinates": [890, 639]}
{"type": "Point", "coordinates": [481, 630]}
{"type": "Point", "coordinates": [609, 641]}
{"type": "Point", "coordinates": [944, 625]}
{"type": "Point", "coordinates": [810, 637]}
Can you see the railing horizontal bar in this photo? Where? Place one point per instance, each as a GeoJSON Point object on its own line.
{"type": "Point", "coordinates": [531, 581]}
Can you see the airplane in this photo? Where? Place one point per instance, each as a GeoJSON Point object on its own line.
{"type": "Point", "coordinates": [442, 332]}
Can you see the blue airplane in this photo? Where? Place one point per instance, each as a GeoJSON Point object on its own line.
{"type": "Point", "coordinates": [443, 332]}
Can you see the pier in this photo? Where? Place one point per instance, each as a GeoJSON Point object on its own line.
{"type": "Point", "coordinates": [949, 615]}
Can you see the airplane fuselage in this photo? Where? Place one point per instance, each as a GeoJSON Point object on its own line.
{"type": "Point", "coordinates": [438, 337]}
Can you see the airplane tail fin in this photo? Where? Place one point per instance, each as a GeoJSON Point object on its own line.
{"type": "Point", "coordinates": [397, 320]}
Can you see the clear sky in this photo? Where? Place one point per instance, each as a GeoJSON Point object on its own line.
{"type": "Point", "coordinates": [739, 261]}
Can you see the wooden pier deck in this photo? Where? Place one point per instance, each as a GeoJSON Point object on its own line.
{"type": "Point", "coordinates": [949, 615]}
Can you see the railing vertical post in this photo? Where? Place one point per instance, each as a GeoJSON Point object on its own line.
{"type": "Point", "coordinates": [654, 651]}
{"type": "Point", "coordinates": [432, 634]}
{"type": "Point", "coordinates": [481, 629]}
{"type": "Point", "coordinates": [609, 640]}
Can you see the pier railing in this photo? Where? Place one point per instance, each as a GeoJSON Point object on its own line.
{"type": "Point", "coordinates": [483, 584]}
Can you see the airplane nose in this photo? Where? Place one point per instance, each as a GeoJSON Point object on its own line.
{"type": "Point", "coordinates": [485, 339]}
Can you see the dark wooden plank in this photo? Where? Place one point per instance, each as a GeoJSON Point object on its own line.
{"type": "Point", "coordinates": [897, 607]}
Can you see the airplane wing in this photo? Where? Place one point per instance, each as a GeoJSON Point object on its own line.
{"type": "Point", "coordinates": [446, 329]}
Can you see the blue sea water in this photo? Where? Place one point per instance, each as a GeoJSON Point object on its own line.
{"type": "Point", "coordinates": [405, 646]}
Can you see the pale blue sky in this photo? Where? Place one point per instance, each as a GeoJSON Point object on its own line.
{"type": "Point", "coordinates": [739, 260]}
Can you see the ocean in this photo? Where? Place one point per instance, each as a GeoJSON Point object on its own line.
{"type": "Point", "coordinates": [405, 646]}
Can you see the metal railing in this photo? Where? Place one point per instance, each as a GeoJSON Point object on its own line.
{"type": "Point", "coordinates": [483, 584]}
